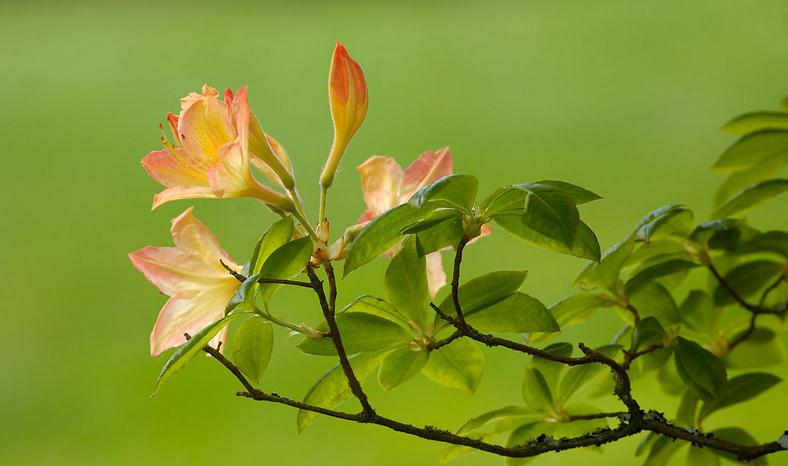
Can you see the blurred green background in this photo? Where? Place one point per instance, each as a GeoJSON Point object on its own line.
{"type": "Point", "coordinates": [623, 97]}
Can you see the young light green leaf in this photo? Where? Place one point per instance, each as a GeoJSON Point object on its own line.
{"type": "Point", "coordinates": [252, 346]}
{"type": "Point", "coordinates": [651, 217]}
{"type": "Point", "coordinates": [332, 388]}
{"type": "Point", "coordinates": [740, 436]}
{"type": "Point", "coordinates": [501, 420]}
{"type": "Point", "coordinates": [739, 389]}
{"type": "Point", "coordinates": [522, 435]}
{"type": "Point", "coordinates": [285, 262]}
{"type": "Point", "coordinates": [701, 370]}
{"type": "Point", "coordinates": [453, 191]}
{"type": "Point", "coordinates": [752, 149]}
{"type": "Point", "coordinates": [736, 181]}
{"type": "Point", "coordinates": [577, 308]}
{"type": "Point", "coordinates": [662, 450]}
{"type": "Point", "coordinates": [697, 456]}
{"type": "Point", "coordinates": [604, 274]}
{"type": "Point", "coordinates": [406, 284]}
{"type": "Point", "coordinates": [186, 352]}
{"type": "Point", "coordinates": [516, 313]}
{"type": "Point", "coordinates": [675, 222]}
{"type": "Point", "coordinates": [747, 279]}
{"type": "Point", "coordinates": [277, 235]}
{"type": "Point", "coordinates": [484, 291]}
{"type": "Point", "coordinates": [360, 333]}
{"type": "Point", "coordinates": [751, 196]}
{"type": "Point", "coordinates": [762, 348]}
{"type": "Point", "coordinates": [551, 370]}
{"type": "Point", "coordinates": [458, 365]}
{"type": "Point", "coordinates": [400, 365]}
{"type": "Point", "coordinates": [756, 121]}
{"type": "Point", "coordinates": [380, 235]}
{"type": "Point", "coordinates": [577, 377]}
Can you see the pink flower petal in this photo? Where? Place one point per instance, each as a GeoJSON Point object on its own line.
{"type": "Point", "coordinates": [204, 127]}
{"type": "Point", "coordinates": [174, 271]}
{"type": "Point", "coordinates": [164, 167]}
{"type": "Point", "coordinates": [190, 234]}
{"type": "Point", "coordinates": [380, 177]}
{"type": "Point", "coordinates": [428, 168]}
{"type": "Point", "coordinates": [178, 192]}
{"type": "Point", "coordinates": [436, 277]}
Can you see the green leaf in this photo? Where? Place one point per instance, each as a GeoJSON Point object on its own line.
{"type": "Point", "coordinates": [454, 191]}
{"type": "Point", "coordinates": [550, 212]}
{"type": "Point", "coordinates": [662, 269]}
{"type": "Point", "coordinates": [675, 222]}
{"type": "Point", "coordinates": [285, 262]}
{"type": "Point", "coordinates": [699, 312]}
{"type": "Point", "coordinates": [579, 195]}
{"type": "Point", "coordinates": [647, 332]}
{"type": "Point", "coordinates": [399, 366]}
{"type": "Point", "coordinates": [406, 284]}
{"type": "Point", "coordinates": [651, 217]}
{"type": "Point", "coordinates": [700, 369]}
{"type": "Point", "coordinates": [277, 235]}
{"type": "Point", "coordinates": [577, 377]}
{"type": "Point", "coordinates": [585, 246]}
{"type": "Point", "coordinates": [360, 333]}
{"type": "Point", "coordinates": [747, 279]}
{"type": "Point", "coordinates": [442, 235]}
{"type": "Point", "coordinates": [536, 393]}
{"type": "Point", "coordinates": [739, 389]}
{"type": "Point", "coordinates": [458, 365]}
{"type": "Point", "coordinates": [432, 220]}
{"type": "Point", "coordinates": [653, 299]}
{"type": "Point", "coordinates": [243, 294]}
{"type": "Point", "coordinates": [735, 182]}
{"type": "Point", "coordinates": [774, 242]}
{"type": "Point", "coordinates": [367, 304]}
{"type": "Point", "coordinates": [551, 370]}
{"type": "Point", "coordinates": [740, 436]}
{"type": "Point", "coordinates": [380, 235]}
{"type": "Point", "coordinates": [670, 380]}
{"type": "Point", "coordinates": [186, 352]}
{"type": "Point", "coordinates": [576, 308]}
{"type": "Point", "coordinates": [604, 274]}
{"type": "Point", "coordinates": [501, 420]}
{"type": "Point", "coordinates": [752, 149]}
{"type": "Point", "coordinates": [722, 232]}
{"type": "Point", "coordinates": [688, 407]}
{"type": "Point", "coordinates": [484, 291]}
{"type": "Point", "coordinates": [252, 346]}
{"type": "Point", "coordinates": [697, 456]}
{"type": "Point", "coordinates": [332, 388]}
{"type": "Point", "coordinates": [751, 196]}
{"type": "Point", "coordinates": [516, 313]}
{"type": "Point", "coordinates": [756, 121]}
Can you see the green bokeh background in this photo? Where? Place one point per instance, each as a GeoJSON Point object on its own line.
{"type": "Point", "coordinates": [623, 97]}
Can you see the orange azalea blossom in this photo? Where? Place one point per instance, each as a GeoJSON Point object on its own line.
{"type": "Point", "coordinates": [216, 142]}
{"type": "Point", "coordinates": [386, 185]}
{"type": "Point", "coordinates": [348, 98]}
{"type": "Point", "coordinates": [198, 285]}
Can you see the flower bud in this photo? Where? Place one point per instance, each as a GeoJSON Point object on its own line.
{"type": "Point", "coordinates": [347, 93]}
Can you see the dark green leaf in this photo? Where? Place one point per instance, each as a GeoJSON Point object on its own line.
{"type": "Point", "coordinates": [698, 312]}
{"type": "Point", "coordinates": [399, 366]}
{"type": "Point", "coordinates": [652, 217]}
{"type": "Point", "coordinates": [688, 407]}
{"type": "Point", "coordinates": [577, 377]}
{"type": "Point", "coordinates": [406, 284]}
{"type": "Point", "coordinates": [243, 294]}
{"type": "Point", "coordinates": [458, 365]}
{"type": "Point", "coordinates": [550, 212]}
{"type": "Point", "coordinates": [332, 388]}
{"type": "Point", "coordinates": [652, 299]}
{"type": "Point", "coordinates": [379, 236]}
{"type": "Point", "coordinates": [442, 235]}
{"type": "Point", "coordinates": [662, 450]}
{"type": "Point", "coordinates": [756, 121]}
{"type": "Point", "coordinates": [189, 350]}
{"type": "Point", "coordinates": [662, 269]}
{"type": "Point", "coordinates": [739, 389]}
{"type": "Point", "coordinates": [430, 221]}
{"type": "Point", "coordinates": [675, 222]}
{"type": "Point", "coordinates": [697, 456]}
{"type": "Point", "coordinates": [723, 232]}
{"type": "Point", "coordinates": [762, 348]}
{"type": "Point", "coordinates": [579, 195]}
{"type": "Point", "coordinates": [551, 370]}
{"type": "Point", "coordinates": [360, 333]}
{"type": "Point", "coordinates": [453, 191]}
{"type": "Point", "coordinates": [523, 435]}
{"type": "Point", "coordinates": [512, 416]}
{"type": "Point", "coordinates": [775, 242]}
{"type": "Point", "coordinates": [701, 370]}
{"type": "Point", "coordinates": [747, 279]}
{"type": "Point", "coordinates": [252, 346]}
{"type": "Point", "coordinates": [740, 436]}
{"type": "Point", "coordinates": [285, 262]}
{"type": "Point", "coordinates": [516, 313]}
{"type": "Point", "coordinates": [585, 244]}
{"type": "Point", "coordinates": [484, 291]}
{"type": "Point", "coordinates": [751, 196]}
{"type": "Point", "coordinates": [752, 149]}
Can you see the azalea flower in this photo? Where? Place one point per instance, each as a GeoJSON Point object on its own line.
{"type": "Point", "coordinates": [192, 276]}
{"type": "Point", "coordinates": [386, 185]}
{"type": "Point", "coordinates": [216, 143]}
{"type": "Point", "coordinates": [348, 98]}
